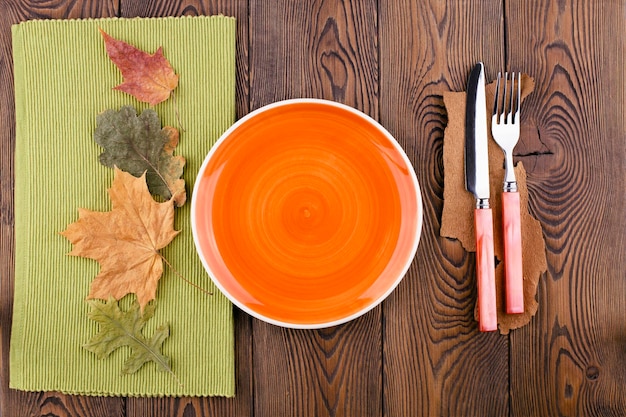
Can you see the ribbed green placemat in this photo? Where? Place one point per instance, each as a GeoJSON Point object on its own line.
{"type": "Point", "coordinates": [63, 79]}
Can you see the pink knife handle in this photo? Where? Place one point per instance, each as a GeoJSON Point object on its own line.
{"type": "Point", "coordinates": [514, 279]}
{"type": "Point", "coordinates": [486, 280]}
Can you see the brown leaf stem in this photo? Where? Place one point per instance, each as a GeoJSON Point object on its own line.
{"type": "Point", "coordinates": [183, 278]}
{"type": "Point", "coordinates": [180, 124]}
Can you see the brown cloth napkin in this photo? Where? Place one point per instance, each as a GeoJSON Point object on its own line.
{"type": "Point", "coordinates": [457, 221]}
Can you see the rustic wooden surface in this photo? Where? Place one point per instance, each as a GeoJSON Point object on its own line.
{"type": "Point", "coordinates": [419, 354]}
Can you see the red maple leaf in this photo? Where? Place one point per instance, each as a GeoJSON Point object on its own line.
{"type": "Point", "coordinates": [148, 78]}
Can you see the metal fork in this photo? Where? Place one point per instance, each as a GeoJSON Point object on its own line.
{"type": "Point", "coordinates": [505, 129]}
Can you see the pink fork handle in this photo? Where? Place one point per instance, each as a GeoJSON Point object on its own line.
{"type": "Point", "coordinates": [486, 281]}
{"type": "Point", "coordinates": [514, 279]}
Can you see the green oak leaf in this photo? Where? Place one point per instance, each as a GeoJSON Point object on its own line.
{"type": "Point", "coordinates": [123, 328]}
{"type": "Point", "coordinates": [138, 144]}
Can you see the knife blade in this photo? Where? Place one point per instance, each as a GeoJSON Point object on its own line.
{"type": "Point", "coordinates": [477, 182]}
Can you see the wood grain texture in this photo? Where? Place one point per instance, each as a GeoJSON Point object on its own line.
{"type": "Point", "coordinates": [14, 403]}
{"type": "Point", "coordinates": [436, 362]}
{"type": "Point", "coordinates": [572, 362]}
{"type": "Point", "coordinates": [314, 48]}
{"type": "Point", "coordinates": [59, 9]}
{"type": "Point", "coordinates": [329, 372]}
{"type": "Point", "coordinates": [322, 49]}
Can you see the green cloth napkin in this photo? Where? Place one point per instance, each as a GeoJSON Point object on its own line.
{"type": "Point", "coordinates": [63, 79]}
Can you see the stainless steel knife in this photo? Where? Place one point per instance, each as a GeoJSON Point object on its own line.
{"type": "Point", "coordinates": [477, 182]}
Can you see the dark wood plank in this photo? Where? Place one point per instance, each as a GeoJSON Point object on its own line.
{"type": "Point", "coordinates": [60, 405]}
{"type": "Point", "coordinates": [241, 405]}
{"type": "Point", "coordinates": [572, 361]}
{"type": "Point", "coordinates": [323, 49]}
{"type": "Point", "coordinates": [32, 9]}
{"type": "Point", "coordinates": [436, 362]}
{"type": "Point", "coordinates": [15, 402]}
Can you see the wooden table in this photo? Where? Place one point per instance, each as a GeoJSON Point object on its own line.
{"type": "Point", "coordinates": [419, 354]}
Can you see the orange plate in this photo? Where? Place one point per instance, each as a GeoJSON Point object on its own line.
{"type": "Point", "coordinates": [306, 213]}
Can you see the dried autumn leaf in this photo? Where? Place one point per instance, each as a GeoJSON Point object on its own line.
{"type": "Point", "coordinates": [148, 78]}
{"type": "Point", "coordinates": [137, 144]}
{"type": "Point", "coordinates": [123, 328]}
{"type": "Point", "coordinates": [125, 241]}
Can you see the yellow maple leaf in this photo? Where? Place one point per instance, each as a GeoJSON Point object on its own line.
{"type": "Point", "coordinates": [125, 241]}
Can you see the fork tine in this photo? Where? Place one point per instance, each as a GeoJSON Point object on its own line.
{"type": "Point", "coordinates": [506, 104]}
{"type": "Point", "coordinates": [519, 97]}
{"type": "Point", "coordinates": [510, 115]}
{"type": "Point", "coordinates": [505, 113]}
{"type": "Point", "coordinates": [495, 97]}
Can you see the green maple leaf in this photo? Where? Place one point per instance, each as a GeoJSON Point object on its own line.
{"type": "Point", "coordinates": [123, 328]}
{"type": "Point", "coordinates": [138, 144]}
